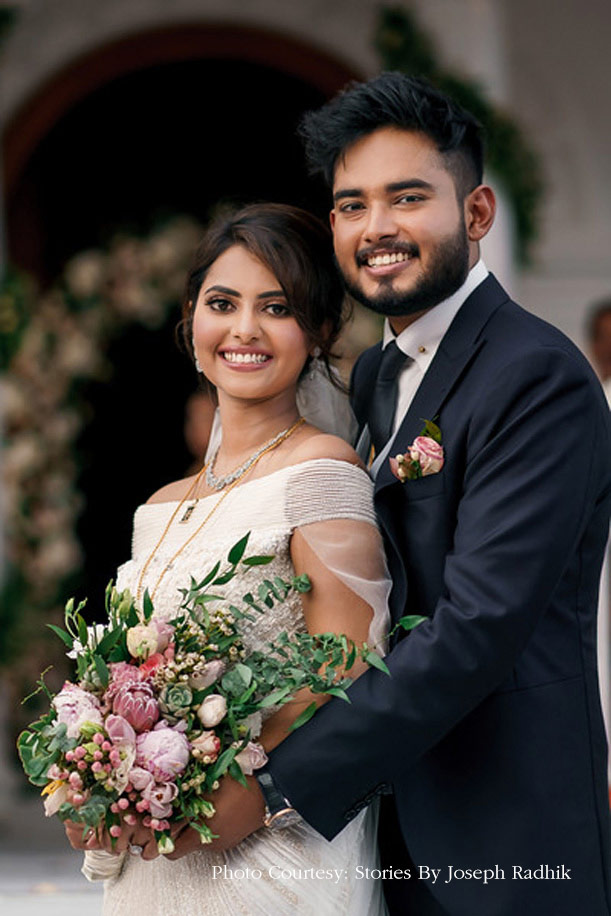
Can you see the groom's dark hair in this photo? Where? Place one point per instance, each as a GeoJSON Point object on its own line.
{"type": "Point", "coordinates": [395, 100]}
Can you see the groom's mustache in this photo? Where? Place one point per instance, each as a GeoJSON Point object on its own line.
{"type": "Point", "coordinates": [408, 248]}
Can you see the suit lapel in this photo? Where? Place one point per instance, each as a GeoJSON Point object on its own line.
{"type": "Point", "coordinates": [458, 347]}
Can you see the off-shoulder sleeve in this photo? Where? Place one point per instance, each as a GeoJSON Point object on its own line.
{"type": "Point", "coordinates": [331, 502]}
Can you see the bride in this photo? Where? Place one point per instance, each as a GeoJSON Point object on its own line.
{"type": "Point", "coordinates": [263, 311]}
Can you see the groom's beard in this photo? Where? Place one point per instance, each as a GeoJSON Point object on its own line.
{"type": "Point", "coordinates": [448, 269]}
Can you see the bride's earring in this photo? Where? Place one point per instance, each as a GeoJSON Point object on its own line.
{"type": "Point", "coordinates": [197, 365]}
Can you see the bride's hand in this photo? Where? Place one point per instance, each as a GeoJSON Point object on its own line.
{"type": "Point", "coordinates": [239, 812]}
{"type": "Point", "coordinates": [87, 838]}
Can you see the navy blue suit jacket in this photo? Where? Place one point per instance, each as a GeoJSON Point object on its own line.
{"type": "Point", "coordinates": [489, 731]}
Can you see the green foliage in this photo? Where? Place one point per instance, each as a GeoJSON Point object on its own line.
{"type": "Point", "coordinates": [431, 429]}
{"type": "Point", "coordinates": [403, 45]}
{"type": "Point", "coordinates": [15, 305]}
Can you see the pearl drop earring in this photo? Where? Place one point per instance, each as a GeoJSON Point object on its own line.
{"type": "Point", "coordinates": [197, 365]}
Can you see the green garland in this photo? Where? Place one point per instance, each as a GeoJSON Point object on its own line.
{"type": "Point", "coordinates": [404, 46]}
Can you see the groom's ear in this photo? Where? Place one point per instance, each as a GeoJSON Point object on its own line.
{"type": "Point", "coordinates": [480, 209]}
{"type": "Point", "coordinates": [332, 219]}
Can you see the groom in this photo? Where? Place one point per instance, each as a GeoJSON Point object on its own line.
{"type": "Point", "coordinates": [486, 743]}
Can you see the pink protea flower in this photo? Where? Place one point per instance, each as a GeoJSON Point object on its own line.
{"type": "Point", "coordinates": [135, 701]}
{"type": "Point", "coordinates": [75, 706]}
{"type": "Point", "coordinates": [164, 752]}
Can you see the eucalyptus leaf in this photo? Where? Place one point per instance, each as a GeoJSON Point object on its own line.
{"type": "Point", "coordinates": [65, 637]}
{"type": "Point", "coordinates": [82, 631]}
{"type": "Point", "coordinates": [102, 670]}
{"type": "Point", "coordinates": [410, 621]}
{"type": "Point", "coordinates": [274, 698]}
{"type": "Point", "coordinates": [147, 605]}
{"type": "Point", "coordinates": [109, 640]}
{"type": "Point", "coordinates": [304, 717]}
{"type": "Point", "coordinates": [376, 662]}
{"type": "Point", "coordinates": [338, 692]}
{"type": "Point", "coordinates": [237, 551]}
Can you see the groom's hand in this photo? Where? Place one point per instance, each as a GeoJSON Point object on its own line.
{"type": "Point", "coordinates": [239, 812]}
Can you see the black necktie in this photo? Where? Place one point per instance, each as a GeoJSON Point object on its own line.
{"type": "Point", "coordinates": [384, 401]}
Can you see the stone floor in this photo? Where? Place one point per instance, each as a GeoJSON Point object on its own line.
{"type": "Point", "coordinates": [39, 873]}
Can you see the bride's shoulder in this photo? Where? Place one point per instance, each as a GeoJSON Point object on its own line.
{"type": "Point", "coordinates": [172, 492]}
{"type": "Point", "coordinates": [319, 445]}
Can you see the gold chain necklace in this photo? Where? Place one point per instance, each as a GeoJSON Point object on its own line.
{"type": "Point", "coordinates": [274, 444]}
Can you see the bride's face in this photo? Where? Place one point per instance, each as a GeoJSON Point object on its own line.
{"type": "Point", "coordinates": [245, 336]}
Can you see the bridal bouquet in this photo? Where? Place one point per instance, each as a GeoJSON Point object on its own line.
{"type": "Point", "coordinates": [159, 710]}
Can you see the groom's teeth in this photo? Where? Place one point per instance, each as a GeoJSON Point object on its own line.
{"type": "Point", "coordinates": [380, 260]}
{"type": "Point", "coordinates": [245, 357]}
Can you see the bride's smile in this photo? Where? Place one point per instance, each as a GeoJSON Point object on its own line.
{"type": "Point", "coordinates": [246, 337]}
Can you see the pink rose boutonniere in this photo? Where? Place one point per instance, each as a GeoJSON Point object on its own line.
{"type": "Point", "coordinates": [423, 457]}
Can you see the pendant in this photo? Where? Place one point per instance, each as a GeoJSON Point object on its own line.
{"type": "Point", "coordinates": [188, 513]}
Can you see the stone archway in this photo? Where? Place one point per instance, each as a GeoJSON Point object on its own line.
{"type": "Point", "coordinates": [77, 127]}
{"type": "Point", "coordinates": [160, 122]}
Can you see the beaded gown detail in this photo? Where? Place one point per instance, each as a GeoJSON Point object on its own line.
{"type": "Point", "coordinates": [295, 870]}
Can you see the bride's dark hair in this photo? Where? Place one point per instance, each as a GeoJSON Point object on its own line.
{"type": "Point", "coordinates": [296, 247]}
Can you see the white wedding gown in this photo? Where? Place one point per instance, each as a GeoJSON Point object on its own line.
{"type": "Point", "coordinates": [295, 870]}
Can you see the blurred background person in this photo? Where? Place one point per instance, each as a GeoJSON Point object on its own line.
{"type": "Point", "coordinates": [599, 342]}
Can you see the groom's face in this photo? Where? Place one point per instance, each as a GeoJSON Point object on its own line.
{"type": "Point", "coordinates": [399, 229]}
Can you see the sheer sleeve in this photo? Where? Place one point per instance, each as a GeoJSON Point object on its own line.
{"type": "Point", "coordinates": [331, 502]}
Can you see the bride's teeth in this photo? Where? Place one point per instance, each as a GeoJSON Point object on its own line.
{"type": "Point", "coordinates": [245, 357]}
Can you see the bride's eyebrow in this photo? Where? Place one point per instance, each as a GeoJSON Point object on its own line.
{"type": "Point", "coordinates": [271, 293]}
{"type": "Point", "coordinates": [224, 289]}
{"type": "Point", "coordinates": [233, 292]}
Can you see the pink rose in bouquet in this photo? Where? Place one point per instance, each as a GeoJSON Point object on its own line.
{"type": "Point", "coordinates": [146, 639]}
{"type": "Point", "coordinates": [206, 745]}
{"type": "Point", "coordinates": [75, 706]}
{"type": "Point", "coordinates": [164, 752]}
{"type": "Point", "coordinates": [165, 633]}
{"type": "Point", "coordinates": [136, 702]}
{"type": "Point", "coordinates": [119, 731]}
{"type": "Point", "coordinates": [207, 675]}
{"type": "Point", "coordinates": [251, 758]}
{"type": "Point", "coordinates": [212, 710]}
{"type": "Point", "coordinates": [140, 778]}
{"type": "Point", "coordinates": [142, 640]}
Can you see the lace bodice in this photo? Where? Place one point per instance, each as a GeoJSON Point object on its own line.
{"type": "Point", "coordinates": [270, 508]}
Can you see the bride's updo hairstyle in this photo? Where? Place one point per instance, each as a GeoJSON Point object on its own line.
{"type": "Point", "coordinates": [297, 248]}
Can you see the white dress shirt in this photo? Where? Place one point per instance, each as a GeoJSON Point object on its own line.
{"type": "Point", "coordinates": [420, 340]}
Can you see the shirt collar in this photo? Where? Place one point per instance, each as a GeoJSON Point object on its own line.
{"type": "Point", "coordinates": [421, 338]}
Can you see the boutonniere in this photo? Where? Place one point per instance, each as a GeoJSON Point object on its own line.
{"type": "Point", "coordinates": [423, 457]}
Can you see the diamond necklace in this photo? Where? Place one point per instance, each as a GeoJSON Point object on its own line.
{"type": "Point", "coordinates": [219, 483]}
